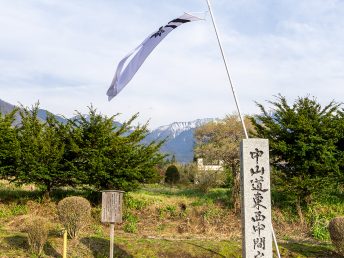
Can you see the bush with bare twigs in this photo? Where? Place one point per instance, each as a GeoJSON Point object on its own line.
{"type": "Point", "coordinates": [74, 213]}
{"type": "Point", "coordinates": [37, 231]}
{"type": "Point", "coordinates": [336, 228]}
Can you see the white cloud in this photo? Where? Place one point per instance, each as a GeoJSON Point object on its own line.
{"type": "Point", "coordinates": [64, 53]}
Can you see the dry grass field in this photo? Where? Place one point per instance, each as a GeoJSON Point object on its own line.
{"type": "Point", "coordinates": [158, 221]}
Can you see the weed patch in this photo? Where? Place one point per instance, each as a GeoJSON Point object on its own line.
{"type": "Point", "coordinates": [319, 216]}
{"type": "Point", "coordinates": [134, 203]}
{"type": "Point", "coordinates": [130, 225]}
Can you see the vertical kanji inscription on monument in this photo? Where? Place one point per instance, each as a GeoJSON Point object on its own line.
{"type": "Point", "coordinates": [256, 199]}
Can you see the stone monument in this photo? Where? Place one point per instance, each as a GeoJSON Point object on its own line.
{"type": "Point", "coordinates": [256, 199]}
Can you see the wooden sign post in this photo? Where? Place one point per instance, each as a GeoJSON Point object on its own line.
{"type": "Point", "coordinates": [112, 212]}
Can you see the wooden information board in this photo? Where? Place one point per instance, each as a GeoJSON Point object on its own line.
{"type": "Point", "coordinates": [112, 206]}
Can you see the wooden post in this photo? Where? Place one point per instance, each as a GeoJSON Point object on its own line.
{"type": "Point", "coordinates": [112, 236]}
{"type": "Point", "coordinates": [112, 212]}
{"type": "Point", "coordinates": [65, 243]}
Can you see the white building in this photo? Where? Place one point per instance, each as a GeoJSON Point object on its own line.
{"type": "Point", "coordinates": [202, 167]}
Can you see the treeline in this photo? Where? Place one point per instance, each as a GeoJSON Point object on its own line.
{"type": "Point", "coordinates": [89, 150]}
{"type": "Point", "coordinates": [306, 147]}
{"type": "Point", "coordinates": [306, 144]}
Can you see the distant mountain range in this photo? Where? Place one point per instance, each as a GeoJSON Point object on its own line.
{"type": "Point", "coordinates": [42, 114]}
{"type": "Point", "coordinates": [179, 135]}
{"type": "Point", "coordinates": [180, 138]}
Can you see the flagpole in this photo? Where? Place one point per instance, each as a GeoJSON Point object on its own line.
{"type": "Point", "coordinates": [227, 70]}
{"type": "Point", "coordinates": [235, 98]}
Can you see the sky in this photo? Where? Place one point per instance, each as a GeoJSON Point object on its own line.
{"type": "Point", "coordinates": [63, 53]}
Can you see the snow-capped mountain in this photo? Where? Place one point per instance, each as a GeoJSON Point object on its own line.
{"type": "Point", "coordinates": [179, 138]}
{"type": "Point", "coordinates": [175, 129]}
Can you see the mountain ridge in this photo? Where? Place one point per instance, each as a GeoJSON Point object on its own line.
{"type": "Point", "coordinates": [179, 136]}
{"type": "Point", "coordinates": [42, 114]}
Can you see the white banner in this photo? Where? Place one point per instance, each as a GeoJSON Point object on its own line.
{"type": "Point", "coordinates": [138, 55]}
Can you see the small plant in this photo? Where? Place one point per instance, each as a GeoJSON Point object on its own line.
{"type": "Point", "coordinates": [211, 212]}
{"type": "Point", "coordinates": [98, 230]}
{"type": "Point", "coordinates": [74, 213]}
{"type": "Point", "coordinates": [19, 209]}
{"type": "Point", "coordinates": [161, 227]}
{"type": "Point", "coordinates": [172, 175]}
{"type": "Point", "coordinates": [37, 231]}
{"type": "Point", "coordinates": [320, 228]}
{"type": "Point", "coordinates": [132, 203]}
{"type": "Point", "coordinates": [96, 213]}
{"type": "Point", "coordinates": [336, 228]}
{"type": "Point", "coordinates": [169, 210]}
{"type": "Point", "coordinates": [130, 225]}
{"type": "Point", "coordinates": [13, 210]}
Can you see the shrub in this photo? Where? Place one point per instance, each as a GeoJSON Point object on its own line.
{"type": "Point", "coordinates": [187, 173]}
{"type": "Point", "coordinates": [209, 179]}
{"type": "Point", "coordinates": [172, 175]}
{"type": "Point", "coordinates": [74, 213]}
{"type": "Point", "coordinates": [336, 228]}
{"type": "Point", "coordinates": [37, 231]}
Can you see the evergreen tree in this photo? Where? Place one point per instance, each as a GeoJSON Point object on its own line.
{"type": "Point", "coordinates": [340, 144]}
{"type": "Point", "coordinates": [8, 145]}
{"type": "Point", "coordinates": [91, 150]}
{"type": "Point", "coordinates": [304, 140]}
{"type": "Point", "coordinates": [111, 156]}
{"type": "Point", "coordinates": [172, 175]}
{"type": "Point", "coordinates": [41, 156]}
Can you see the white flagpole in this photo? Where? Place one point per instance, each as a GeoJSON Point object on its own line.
{"type": "Point", "coordinates": [275, 242]}
{"type": "Point", "coordinates": [227, 70]}
{"type": "Point", "coordinates": [235, 98]}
